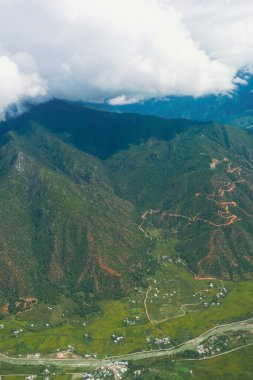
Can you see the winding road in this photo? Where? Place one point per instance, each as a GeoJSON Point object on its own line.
{"type": "Point", "coordinates": [240, 326]}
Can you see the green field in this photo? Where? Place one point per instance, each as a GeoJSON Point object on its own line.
{"type": "Point", "coordinates": [49, 329]}
{"type": "Point", "coordinates": [234, 366]}
{"type": "Point", "coordinates": [56, 329]}
{"type": "Point", "coordinates": [174, 292]}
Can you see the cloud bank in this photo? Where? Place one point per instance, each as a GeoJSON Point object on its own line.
{"type": "Point", "coordinates": [122, 51]}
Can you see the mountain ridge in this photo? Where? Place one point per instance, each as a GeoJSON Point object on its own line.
{"type": "Point", "coordinates": [69, 218]}
{"type": "Point", "coordinates": [229, 108]}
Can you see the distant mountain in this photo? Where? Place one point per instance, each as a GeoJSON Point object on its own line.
{"type": "Point", "coordinates": [74, 183]}
{"type": "Point", "coordinates": [235, 108]}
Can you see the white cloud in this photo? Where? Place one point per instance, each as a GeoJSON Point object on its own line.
{"type": "Point", "coordinates": [224, 28]}
{"type": "Point", "coordinates": [122, 100]}
{"type": "Point", "coordinates": [123, 50]}
{"type": "Point", "coordinates": [15, 85]}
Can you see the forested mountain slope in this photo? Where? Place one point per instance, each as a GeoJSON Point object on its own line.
{"type": "Point", "coordinates": [78, 188]}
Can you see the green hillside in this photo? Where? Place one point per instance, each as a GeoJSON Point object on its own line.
{"type": "Point", "coordinates": [82, 190]}
{"type": "Point", "coordinates": [96, 132]}
{"type": "Point", "coordinates": [196, 188]}
{"type": "Point", "coordinates": [62, 227]}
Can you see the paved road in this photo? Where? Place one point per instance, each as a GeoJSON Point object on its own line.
{"type": "Point", "coordinates": [246, 325]}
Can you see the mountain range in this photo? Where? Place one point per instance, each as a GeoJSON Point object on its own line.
{"type": "Point", "coordinates": [83, 190]}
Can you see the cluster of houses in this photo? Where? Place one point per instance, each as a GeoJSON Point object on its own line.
{"type": "Point", "coordinates": [212, 346]}
{"type": "Point", "coordinates": [88, 376]}
{"type": "Point", "coordinates": [159, 341]}
{"type": "Point", "coordinates": [34, 356]}
{"type": "Point", "coordinates": [207, 350]}
{"type": "Point", "coordinates": [70, 348]}
{"type": "Point", "coordinates": [213, 304]}
{"type": "Point", "coordinates": [99, 376]}
{"type": "Point", "coordinates": [176, 261]}
{"type": "Point", "coordinates": [131, 322]}
{"type": "Point", "coordinates": [17, 332]}
{"type": "Point", "coordinates": [167, 258]}
{"type": "Point", "coordinates": [221, 294]}
{"type": "Point", "coordinates": [88, 356]}
{"type": "Point", "coordinates": [117, 339]}
{"type": "Point", "coordinates": [223, 291]}
{"type": "Point", "coordinates": [117, 369]}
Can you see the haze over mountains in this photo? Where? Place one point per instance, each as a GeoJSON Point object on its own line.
{"type": "Point", "coordinates": [233, 108]}
{"type": "Point", "coordinates": [76, 184]}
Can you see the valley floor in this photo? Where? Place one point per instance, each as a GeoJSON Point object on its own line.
{"type": "Point", "coordinates": [183, 319]}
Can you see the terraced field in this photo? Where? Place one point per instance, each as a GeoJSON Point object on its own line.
{"type": "Point", "coordinates": [174, 292]}
{"type": "Point", "coordinates": [175, 305]}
